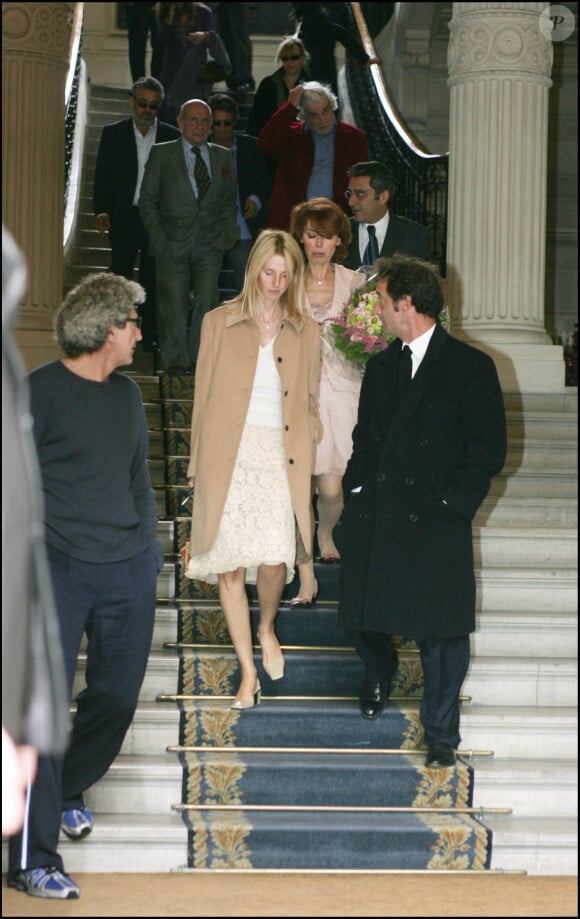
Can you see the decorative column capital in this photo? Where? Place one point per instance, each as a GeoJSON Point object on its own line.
{"type": "Point", "coordinates": [483, 45]}
{"type": "Point", "coordinates": [37, 28]}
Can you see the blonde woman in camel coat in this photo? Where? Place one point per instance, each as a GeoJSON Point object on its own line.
{"type": "Point", "coordinates": [252, 447]}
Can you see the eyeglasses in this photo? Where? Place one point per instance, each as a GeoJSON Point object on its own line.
{"type": "Point", "coordinates": [356, 193]}
{"type": "Point", "coordinates": [144, 103]}
{"type": "Point", "coordinates": [226, 124]}
{"type": "Point", "coordinates": [138, 320]}
{"type": "Point", "coordinates": [291, 57]}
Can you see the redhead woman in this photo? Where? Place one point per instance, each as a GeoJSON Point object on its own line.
{"type": "Point", "coordinates": [254, 429]}
{"type": "Point", "coordinates": [323, 230]}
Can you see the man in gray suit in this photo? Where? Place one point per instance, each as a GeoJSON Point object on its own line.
{"type": "Point", "coordinates": [188, 207]}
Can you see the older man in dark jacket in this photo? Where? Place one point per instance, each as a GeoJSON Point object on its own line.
{"type": "Point", "coordinates": [431, 433]}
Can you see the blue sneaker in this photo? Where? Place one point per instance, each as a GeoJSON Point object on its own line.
{"type": "Point", "coordinates": [48, 883]}
{"type": "Point", "coordinates": [77, 823]}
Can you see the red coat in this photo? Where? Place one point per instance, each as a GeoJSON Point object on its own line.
{"type": "Point", "coordinates": [290, 143]}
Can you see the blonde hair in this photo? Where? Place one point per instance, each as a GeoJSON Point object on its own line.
{"type": "Point", "coordinates": [286, 45]}
{"type": "Point", "coordinates": [268, 244]}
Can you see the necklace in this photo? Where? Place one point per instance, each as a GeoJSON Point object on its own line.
{"type": "Point", "coordinates": [266, 323]}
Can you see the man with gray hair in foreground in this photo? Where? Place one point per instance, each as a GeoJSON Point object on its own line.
{"type": "Point", "coordinates": [90, 432]}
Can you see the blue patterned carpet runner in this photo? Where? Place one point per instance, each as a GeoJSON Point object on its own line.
{"type": "Point", "coordinates": [303, 781]}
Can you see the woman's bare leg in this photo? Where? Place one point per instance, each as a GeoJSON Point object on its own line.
{"type": "Point", "coordinates": [234, 602]}
{"type": "Point", "coordinates": [270, 586]}
{"type": "Point", "coordinates": [329, 505]}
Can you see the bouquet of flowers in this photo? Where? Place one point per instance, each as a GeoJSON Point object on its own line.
{"type": "Point", "coordinates": [358, 331]}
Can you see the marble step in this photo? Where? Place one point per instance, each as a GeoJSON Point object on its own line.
{"type": "Point", "coordinates": [540, 547]}
{"type": "Point", "coordinates": [535, 482]}
{"type": "Point", "coordinates": [529, 512]}
{"type": "Point", "coordinates": [566, 400]}
{"type": "Point", "coordinates": [490, 680]}
{"type": "Point", "coordinates": [537, 845]}
{"type": "Point", "coordinates": [134, 784]}
{"type": "Point", "coordinates": [525, 633]}
{"type": "Point", "coordinates": [520, 732]}
{"type": "Point", "coordinates": [549, 589]}
{"type": "Point", "coordinates": [140, 843]}
{"type": "Point", "coordinates": [537, 453]}
{"type": "Point", "coordinates": [501, 633]}
{"type": "Point", "coordinates": [531, 787]}
{"type": "Point", "coordinates": [127, 843]}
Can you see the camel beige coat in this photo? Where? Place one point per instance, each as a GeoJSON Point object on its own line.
{"type": "Point", "coordinates": [223, 384]}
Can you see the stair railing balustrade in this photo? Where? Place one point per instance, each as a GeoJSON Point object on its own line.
{"type": "Point", "coordinates": [71, 96]}
{"type": "Point", "coordinates": [422, 177]}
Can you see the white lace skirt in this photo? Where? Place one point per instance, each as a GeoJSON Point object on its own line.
{"type": "Point", "coordinates": [257, 526]}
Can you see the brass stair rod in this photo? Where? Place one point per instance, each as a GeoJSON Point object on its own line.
{"type": "Point", "coordinates": [374, 751]}
{"type": "Point", "coordinates": [189, 697]}
{"type": "Point", "coordinates": [345, 808]}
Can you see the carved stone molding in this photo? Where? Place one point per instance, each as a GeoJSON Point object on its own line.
{"type": "Point", "coordinates": [37, 28]}
{"type": "Point", "coordinates": [483, 45]}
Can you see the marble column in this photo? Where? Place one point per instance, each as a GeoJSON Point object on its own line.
{"type": "Point", "coordinates": [499, 77]}
{"type": "Point", "coordinates": [35, 50]}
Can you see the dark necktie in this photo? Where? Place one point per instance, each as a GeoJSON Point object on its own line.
{"type": "Point", "coordinates": [201, 174]}
{"type": "Point", "coordinates": [371, 252]}
{"type": "Point", "coordinates": [405, 370]}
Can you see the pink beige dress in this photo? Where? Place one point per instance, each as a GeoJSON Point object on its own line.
{"type": "Point", "coordinates": [340, 380]}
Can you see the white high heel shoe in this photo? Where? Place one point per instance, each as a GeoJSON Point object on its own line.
{"type": "Point", "coordinates": [241, 704]}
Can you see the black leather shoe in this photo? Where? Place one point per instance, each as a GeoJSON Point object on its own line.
{"type": "Point", "coordinates": [373, 698]}
{"type": "Point", "coordinates": [440, 754]}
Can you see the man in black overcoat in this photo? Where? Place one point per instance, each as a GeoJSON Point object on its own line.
{"type": "Point", "coordinates": [430, 435]}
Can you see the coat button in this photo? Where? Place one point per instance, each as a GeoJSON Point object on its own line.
{"type": "Point", "coordinates": [362, 516]}
{"type": "Point", "coordinates": [286, 428]}
{"type": "Point", "coordinates": [279, 360]}
{"type": "Point", "coordinates": [291, 461]}
{"type": "Point", "coordinates": [413, 518]}
{"type": "Point", "coordinates": [381, 477]}
{"type": "Point", "coordinates": [286, 393]}
{"type": "Point", "coordinates": [424, 442]}
{"type": "Point", "coordinates": [409, 480]}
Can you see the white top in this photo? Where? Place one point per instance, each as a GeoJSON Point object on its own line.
{"type": "Point", "coordinates": [381, 227]}
{"type": "Point", "coordinates": [265, 407]}
{"type": "Point", "coordinates": [144, 143]}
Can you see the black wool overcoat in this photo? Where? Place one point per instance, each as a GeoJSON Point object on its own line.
{"type": "Point", "coordinates": [425, 467]}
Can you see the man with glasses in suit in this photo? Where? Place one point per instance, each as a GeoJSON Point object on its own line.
{"type": "Point", "coordinates": [123, 151]}
{"type": "Point", "coordinates": [376, 231]}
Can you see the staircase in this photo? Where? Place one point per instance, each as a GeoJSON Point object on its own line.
{"type": "Point", "coordinates": [519, 711]}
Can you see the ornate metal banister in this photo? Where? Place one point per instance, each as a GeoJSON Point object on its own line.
{"type": "Point", "coordinates": [71, 93]}
{"type": "Point", "coordinates": [422, 177]}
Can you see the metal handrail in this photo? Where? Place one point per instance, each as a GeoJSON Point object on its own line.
{"type": "Point", "coordinates": [421, 176]}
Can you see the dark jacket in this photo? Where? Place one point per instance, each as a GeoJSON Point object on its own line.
{"type": "Point", "coordinates": [253, 176]}
{"type": "Point", "coordinates": [116, 169]}
{"type": "Point", "coordinates": [407, 557]}
{"type": "Point", "coordinates": [403, 235]}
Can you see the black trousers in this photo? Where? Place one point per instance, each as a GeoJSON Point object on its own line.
{"type": "Point", "coordinates": [114, 604]}
{"type": "Point", "coordinates": [445, 663]}
{"type": "Point", "coordinates": [141, 22]}
{"type": "Point", "coordinates": [127, 243]}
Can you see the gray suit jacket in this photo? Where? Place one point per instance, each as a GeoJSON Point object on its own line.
{"type": "Point", "coordinates": [177, 225]}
